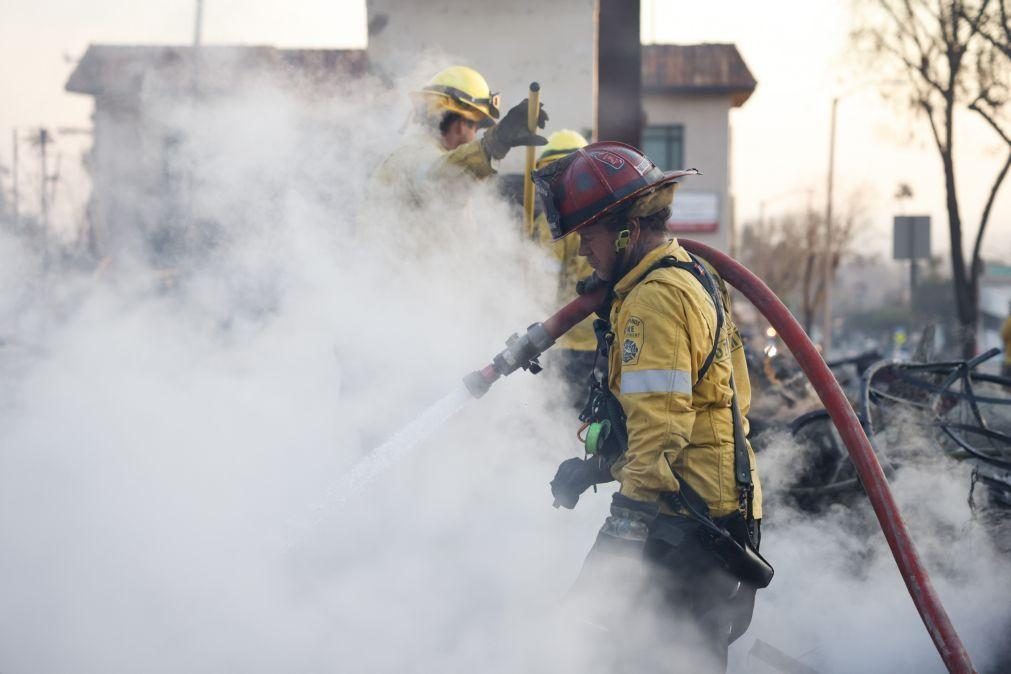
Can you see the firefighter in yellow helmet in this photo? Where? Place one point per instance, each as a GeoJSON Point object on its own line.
{"type": "Point", "coordinates": [576, 350]}
{"type": "Point", "coordinates": [442, 143]}
{"type": "Point", "coordinates": [682, 537]}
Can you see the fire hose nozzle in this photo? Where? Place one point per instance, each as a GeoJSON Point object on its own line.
{"type": "Point", "coordinates": [522, 351]}
{"type": "Point", "coordinates": [478, 382]}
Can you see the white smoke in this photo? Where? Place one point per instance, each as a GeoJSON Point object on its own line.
{"type": "Point", "coordinates": [838, 602]}
{"type": "Point", "coordinates": [169, 442]}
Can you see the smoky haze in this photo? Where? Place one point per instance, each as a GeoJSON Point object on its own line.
{"type": "Point", "coordinates": [170, 442]}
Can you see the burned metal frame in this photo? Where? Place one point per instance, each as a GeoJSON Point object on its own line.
{"type": "Point", "coordinates": [940, 398]}
{"type": "Point", "coordinates": [934, 389]}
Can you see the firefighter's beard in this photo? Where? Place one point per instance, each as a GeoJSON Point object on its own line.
{"type": "Point", "coordinates": [625, 261]}
{"type": "Point", "coordinates": [602, 258]}
{"type": "Point", "coordinates": [603, 271]}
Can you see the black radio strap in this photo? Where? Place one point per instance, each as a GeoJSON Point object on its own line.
{"type": "Point", "coordinates": [742, 462]}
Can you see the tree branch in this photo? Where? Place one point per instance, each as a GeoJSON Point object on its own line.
{"type": "Point", "coordinates": [1004, 22]}
{"type": "Point", "coordinates": [1003, 47]}
{"type": "Point", "coordinates": [977, 25]}
{"type": "Point", "coordinates": [910, 30]}
{"type": "Point", "coordinates": [941, 147]}
{"type": "Point", "coordinates": [920, 69]}
{"type": "Point", "coordinates": [975, 107]}
{"type": "Point", "coordinates": [985, 218]}
{"type": "Point", "coordinates": [901, 24]}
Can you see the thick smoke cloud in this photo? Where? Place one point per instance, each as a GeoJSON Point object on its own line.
{"type": "Point", "coordinates": [169, 444]}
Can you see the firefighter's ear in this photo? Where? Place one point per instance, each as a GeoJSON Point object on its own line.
{"type": "Point", "coordinates": [634, 230]}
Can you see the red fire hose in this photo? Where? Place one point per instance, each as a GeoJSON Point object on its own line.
{"type": "Point", "coordinates": [522, 352]}
{"type": "Point", "coordinates": [936, 620]}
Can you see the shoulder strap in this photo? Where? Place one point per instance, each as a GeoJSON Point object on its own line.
{"type": "Point", "coordinates": [696, 269]}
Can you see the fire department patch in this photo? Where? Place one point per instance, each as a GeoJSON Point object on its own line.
{"type": "Point", "coordinates": [632, 345]}
{"type": "Point", "coordinates": [629, 352]}
{"type": "Point", "coordinates": [609, 158]}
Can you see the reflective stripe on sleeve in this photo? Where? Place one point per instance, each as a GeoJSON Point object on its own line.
{"type": "Point", "coordinates": [656, 381]}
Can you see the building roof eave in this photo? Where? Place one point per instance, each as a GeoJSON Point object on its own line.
{"type": "Point", "coordinates": [738, 95]}
{"type": "Point", "coordinates": [697, 69]}
{"type": "Point", "coordinates": [120, 69]}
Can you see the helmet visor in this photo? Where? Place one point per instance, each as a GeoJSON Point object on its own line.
{"type": "Point", "coordinates": [543, 192]}
{"type": "Point", "coordinates": [491, 103]}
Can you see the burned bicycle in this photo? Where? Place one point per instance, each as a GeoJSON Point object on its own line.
{"type": "Point", "coordinates": [908, 408]}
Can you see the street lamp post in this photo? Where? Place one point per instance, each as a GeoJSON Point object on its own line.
{"type": "Point", "coordinates": [14, 177]}
{"type": "Point", "coordinates": [198, 24]}
{"type": "Point", "coordinates": [828, 252]}
{"type": "Point", "coordinates": [826, 326]}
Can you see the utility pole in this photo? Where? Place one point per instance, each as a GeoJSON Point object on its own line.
{"type": "Point", "coordinates": [198, 24]}
{"type": "Point", "coordinates": [198, 34]}
{"type": "Point", "coordinates": [826, 326]}
{"type": "Point", "coordinates": [14, 175]}
{"type": "Point", "coordinates": [827, 271]}
{"type": "Point", "coordinates": [54, 180]}
{"type": "Point", "coordinates": [618, 72]}
{"type": "Point", "coordinates": [44, 190]}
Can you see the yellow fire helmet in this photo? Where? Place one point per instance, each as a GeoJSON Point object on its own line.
{"type": "Point", "coordinates": [461, 90]}
{"type": "Point", "coordinates": [560, 143]}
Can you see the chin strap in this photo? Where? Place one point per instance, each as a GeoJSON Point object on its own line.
{"type": "Point", "coordinates": [621, 247]}
{"type": "Point", "coordinates": [621, 241]}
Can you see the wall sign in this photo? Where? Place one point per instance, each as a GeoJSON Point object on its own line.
{"type": "Point", "coordinates": [695, 212]}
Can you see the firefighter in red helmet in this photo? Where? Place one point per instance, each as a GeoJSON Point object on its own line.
{"type": "Point", "coordinates": [669, 424]}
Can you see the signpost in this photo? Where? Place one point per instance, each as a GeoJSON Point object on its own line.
{"type": "Point", "coordinates": [911, 241]}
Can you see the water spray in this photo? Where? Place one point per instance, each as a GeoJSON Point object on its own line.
{"type": "Point", "coordinates": [521, 352]}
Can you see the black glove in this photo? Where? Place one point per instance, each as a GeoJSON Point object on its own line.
{"type": "Point", "coordinates": [512, 132]}
{"type": "Point", "coordinates": [575, 476]}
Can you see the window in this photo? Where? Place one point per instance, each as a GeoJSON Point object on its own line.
{"type": "Point", "coordinates": [665, 145]}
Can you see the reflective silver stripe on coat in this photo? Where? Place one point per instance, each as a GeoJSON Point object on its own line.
{"type": "Point", "coordinates": [656, 381]}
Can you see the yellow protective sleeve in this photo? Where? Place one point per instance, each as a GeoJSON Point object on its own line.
{"type": "Point", "coordinates": [653, 355]}
{"type": "Point", "coordinates": [468, 158]}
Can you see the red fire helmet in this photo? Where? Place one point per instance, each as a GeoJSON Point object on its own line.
{"type": "Point", "coordinates": [593, 181]}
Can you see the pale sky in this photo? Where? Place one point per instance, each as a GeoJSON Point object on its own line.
{"type": "Point", "coordinates": [797, 50]}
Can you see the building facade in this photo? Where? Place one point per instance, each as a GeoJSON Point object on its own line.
{"type": "Point", "coordinates": [142, 191]}
{"type": "Point", "coordinates": [688, 93]}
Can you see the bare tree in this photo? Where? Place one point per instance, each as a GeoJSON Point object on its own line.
{"type": "Point", "coordinates": [952, 55]}
{"type": "Point", "coordinates": [788, 253]}
{"type": "Point", "coordinates": [993, 26]}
